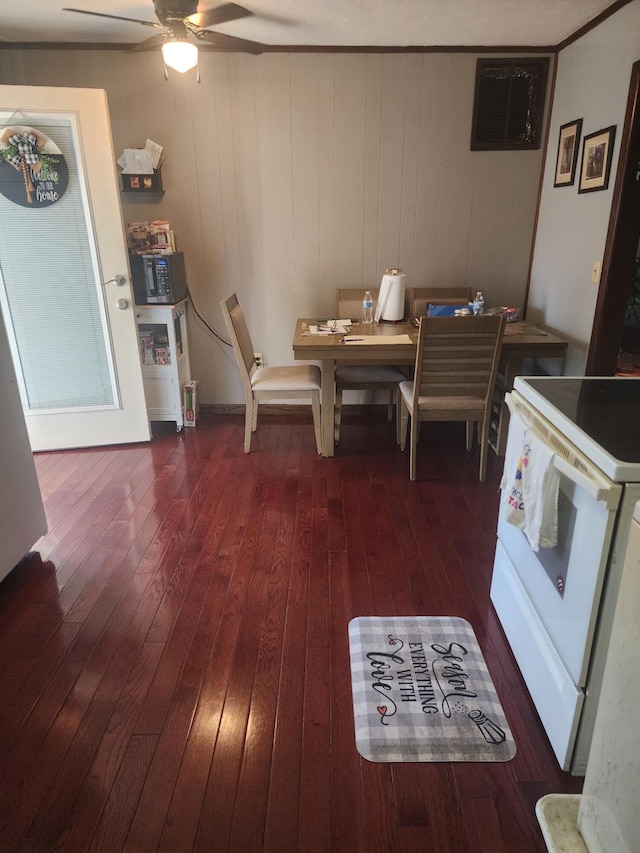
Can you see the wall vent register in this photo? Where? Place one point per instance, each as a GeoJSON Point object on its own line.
{"type": "Point", "coordinates": [509, 104]}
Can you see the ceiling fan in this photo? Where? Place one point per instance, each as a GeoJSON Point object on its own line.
{"type": "Point", "coordinates": [180, 19]}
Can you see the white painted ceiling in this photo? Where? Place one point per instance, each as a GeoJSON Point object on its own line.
{"type": "Point", "coordinates": [437, 23]}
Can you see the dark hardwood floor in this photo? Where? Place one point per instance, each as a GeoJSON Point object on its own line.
{"type": "Point", "coordinates": [176, 677]}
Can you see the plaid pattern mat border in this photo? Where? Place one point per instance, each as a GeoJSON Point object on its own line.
{"type": "Point", "coordinates": [422, 692]}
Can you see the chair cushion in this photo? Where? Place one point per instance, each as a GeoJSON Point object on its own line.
{"type": "Point", "coordinates": [301, 377]}
{"type": "Point", "coordinates": [452, 404]}
{"type": "Point", "coordinates": [369, 373]}
{"type": "Point", "coordinates": [442, 403]}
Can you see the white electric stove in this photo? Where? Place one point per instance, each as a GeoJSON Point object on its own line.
{"type": "Point", "coordinates": [556, 604]}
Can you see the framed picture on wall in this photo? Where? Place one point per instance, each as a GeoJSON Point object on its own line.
{"type": "Point", "coordinates": [597, 151]}
{"type": "Point", "coordinates": [568, 147]}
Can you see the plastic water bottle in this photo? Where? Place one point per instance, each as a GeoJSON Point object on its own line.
{"type": "Point", "coordinates": [478, 304]}
{"type": "Point", "coordinates": [367, 308]}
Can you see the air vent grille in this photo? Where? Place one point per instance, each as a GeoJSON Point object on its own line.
{"type": "Point", "coordinates": [509, 104]}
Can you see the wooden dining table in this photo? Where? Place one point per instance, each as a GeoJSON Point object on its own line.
{"type": "Point", "coordinates": [385, 343]}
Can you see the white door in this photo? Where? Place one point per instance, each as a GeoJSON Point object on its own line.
{"type": "Point", "coordinates": [65, 292]}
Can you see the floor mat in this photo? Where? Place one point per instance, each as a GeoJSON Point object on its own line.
{"type": "Point", "coordinates": [422, 692]}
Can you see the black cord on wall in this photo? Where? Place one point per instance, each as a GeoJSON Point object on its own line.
{"type": "Point", "coordinates": [203, 321]}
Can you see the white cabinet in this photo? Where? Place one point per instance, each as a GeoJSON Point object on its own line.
{"type": "Point", "coordinates": [605, 817]}
{"type": "Point", "coordinates": [164, 347]}
{"type": "Point", "coordinates": [609, 818]}
{"type": "Point", "coordinates": [22, 517]}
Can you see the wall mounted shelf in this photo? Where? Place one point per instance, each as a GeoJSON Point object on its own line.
{"type": "Point", "coordinates": [142, 185]}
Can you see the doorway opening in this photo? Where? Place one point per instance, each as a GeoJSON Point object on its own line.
{"type": "Point", "coordinates": [615, 342]}
{"type": "Point", "coordinates": [629, 353]}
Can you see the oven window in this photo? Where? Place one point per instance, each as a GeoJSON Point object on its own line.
{"type": "Point", "coordinates": [555, 561]}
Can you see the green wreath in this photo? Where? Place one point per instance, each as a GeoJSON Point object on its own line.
{"type": "Point", "coordinates": [24, 153]}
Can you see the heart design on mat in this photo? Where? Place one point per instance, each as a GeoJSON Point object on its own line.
{"type": "Point", "coordinates": [382, 710]}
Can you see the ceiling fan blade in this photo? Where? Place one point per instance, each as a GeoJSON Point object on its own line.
{"type": "Point", "coordinates": [219, 15]}
{"type": "Point", "coordinates": [224, 42]}
{"type": "Point", "coordinates": [115, 17]}
{"type": "Point", "coordinates": [151, 43]}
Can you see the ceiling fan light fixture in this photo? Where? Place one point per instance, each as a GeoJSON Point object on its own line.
{"type": "Point", "coordinates": [179, 54]}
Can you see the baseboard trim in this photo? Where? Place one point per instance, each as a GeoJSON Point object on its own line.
{"type": "Point", "coordinates": [275, 409]}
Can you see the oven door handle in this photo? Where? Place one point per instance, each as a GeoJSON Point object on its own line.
{"type": "Point", "coordinates": [606, 492]}
{"type": "Point", "coordinates": [567, 459]}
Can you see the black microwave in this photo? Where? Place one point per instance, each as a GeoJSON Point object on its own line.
{"type": "Point", "coordinates": [158, 279]}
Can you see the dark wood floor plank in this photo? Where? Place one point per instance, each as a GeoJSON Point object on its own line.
{"type": "Point", "coordinates": [508, 819]}
{"type": "Point", "coordinates": [55, 469]}
{"type": "Point", "coordinates": [23, 804]}
{"type": "Point", "coordinates": [72, 517]}
{"type": "Point", "coordinates": [348, 803]}
{"type": "Point", "coordinates": [33, 694]}
{"type": "Point", "coordinates": [93, 578]}
{"type": "Point", "coordinates": [146, 827]}
{"type": "Point", "coordinates": [111, 755]}
{"type": "Point", "coordinates": [70, 813]}
{"type": "Point", "coordinates": [183, 812]}
{"type": "Point", "coordinates": [179, 678]}
{"type": "Point", "coordinates": [211, 655]}
{"type": "Point", "coordinates": [160, 694]}
{"type": "Point", "coordinates": [154, 711]}
{"type": "Point", "coordinates": [231, 726]}
{"type": "Point", "coordinates": [281, 819]}
{"type": "Point", "coordinates": [379, 819]}
{"type": "Point", "coordinates": [314, 821]}
{"type": "Point", "coordinates": [236, 723]}
{"type": "Point", "coordinates": [250, 808]}
{"type": "Point", "coordinates": [44, 460]}
{"type": "Point", "coordinates": [356, 533]}
{"type": "Point", "coordinates": [22, 742]}
{"type": "Point", "coordinates": [111, 833]}
{"type": "Point", "coordinates": [439, 818]}
{"type": "Point", "coordinates": [277, 537]}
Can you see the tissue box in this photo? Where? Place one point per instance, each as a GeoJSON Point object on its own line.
{"type": "Point", "coordinates": [191, 403]}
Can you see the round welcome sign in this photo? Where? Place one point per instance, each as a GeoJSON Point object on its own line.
{"type": "Point", "coordinates": [33, 172]}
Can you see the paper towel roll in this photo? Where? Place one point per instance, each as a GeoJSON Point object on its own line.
{"type": "Point", "coordinates": [391, 297]}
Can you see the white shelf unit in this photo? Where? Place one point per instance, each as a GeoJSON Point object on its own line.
{"type": "Point", "coordinates": [164, 347]}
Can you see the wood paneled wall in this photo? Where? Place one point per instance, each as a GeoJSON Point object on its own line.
{"type": "Point", "coordinates": [290, 175]}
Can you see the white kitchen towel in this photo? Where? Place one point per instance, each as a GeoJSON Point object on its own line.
{"type": "Point", "coordinates": [540, 484]}
{"type": "Point", "coordinates": [511, 483]}
{"type": "Point", "coordinates": [529, 484]}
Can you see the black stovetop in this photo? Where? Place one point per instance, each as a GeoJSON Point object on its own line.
{"type": "Point", "coordinates": [606, 409]}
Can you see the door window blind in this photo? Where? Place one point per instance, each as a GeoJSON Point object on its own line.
{"type": "Point", "coordinates": [51, 296]}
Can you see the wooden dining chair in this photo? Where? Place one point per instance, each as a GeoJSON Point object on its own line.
{"type": "Point", "coordinates": [421, 297]}
{"type": "Point", "coordinates": [265, 383]}
{"type": "Point", "coordinates": [350, 302]}
{"type": "Point", "coordinates": [362, 377]}
{"type": "Point", "coordinates": [455, 374]}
